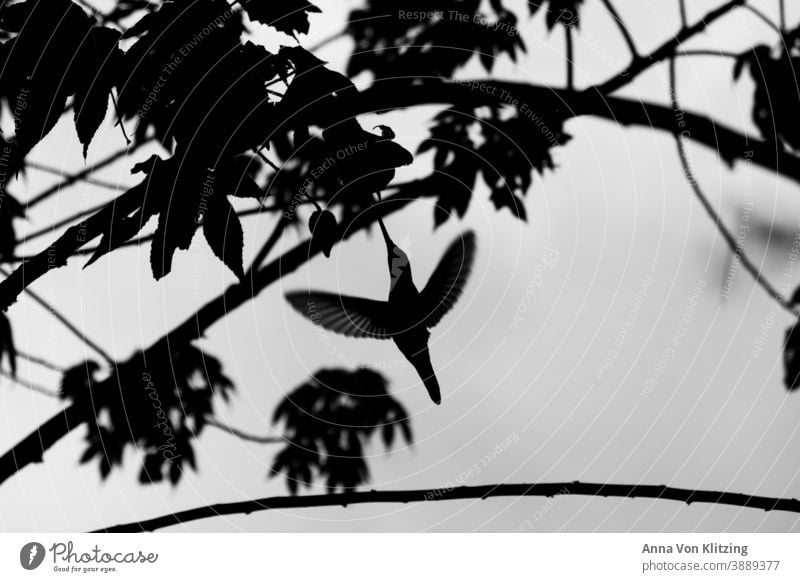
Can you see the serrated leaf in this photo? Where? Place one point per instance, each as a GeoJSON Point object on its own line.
{"type": "Point", "coordinates": [224, 235]}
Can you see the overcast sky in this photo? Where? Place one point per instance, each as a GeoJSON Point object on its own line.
{"type": "Point", "coordinates": [627, 365]}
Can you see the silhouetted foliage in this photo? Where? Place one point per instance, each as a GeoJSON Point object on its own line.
{"type": "Point", "coordinates": [564, 12]}
{"type": "Point", "coordinates": [289, 16]}
{"type": "Point", "coordinates": [776, 100]}
{"type": "Point", "coordinates": [421, 38]}
{"type": "Point", "coordinates": [328, 423]}
{"type": "Point", "coordinates": [504, 150]}
{"type": "Point", "coordinates": [156, 403]}
{"type": "Point", "coordinates": [183, 74]}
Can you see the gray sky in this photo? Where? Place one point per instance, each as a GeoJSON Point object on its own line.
{"type": "Point", "coordinates": [626, 367]}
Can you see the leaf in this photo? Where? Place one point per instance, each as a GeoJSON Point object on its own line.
{"type": "Point", "coordinates": [328, 420]}
{"type": "Point", "coordinates": [287, 16]}
{"type": "Point", "coordinates": [155, 402]}
{"type": "Point", "coordinates": [223, 231]}
{"type": "Point", "coordinates": [7, 347]}
{"type": "Point", "coordinates": [791, 359]}
{"type": "Point", "coordinates": [100, 61]}
{"type": "Point", "coordinates": [563, 12]}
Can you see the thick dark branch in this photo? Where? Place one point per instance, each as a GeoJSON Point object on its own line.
{"type": "Point", "coordinates": [667, 49]}
{"type": "Point", "coordinates": [661, 492]}
{"type": "Point", "coordinates": [32, 447]}
{"type": "Point", "coordinates": [730, 144]}
{"type": "Point", "coordinates": [399, 93]}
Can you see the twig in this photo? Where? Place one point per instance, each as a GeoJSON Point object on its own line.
{"type": "Point", "coordinates": [119, 118]}
{"type": "Point", "coordinates": [31, 448]}
{"type": "Point", "coordinates": [88, 180]}
{"type": "Point", "coordinates": [69, 180]}
{"type": "Point", "coordinates": [782, 5]}
{"type": "Point", "coordinates": [28, 385]}
{"type": "Point", "coordinates": [666, 50]}
{"type": "Point", "coordinates": [65, 322]}
{"type": "Point", "coordinates": [267, 160]}
{"type": "Point", "coordinates": [39, 361]}
{"type": "Point", "coordinates": [480, 492]}
{"type": "Point", "coordinates": [766, 19]}
{"type": "Point", "coordinates": [327, 40]}
{"type": "Point", "coordinates": [734, 245]}
{"type": "Point", "coordinates": [570, 58]}
{"type": "Point", "coordinates": [63, 222]}
{"type": "Point", "coordinates": [623, 29]}
{"type": "Point", "coordinates": [684, 17]}
{"type": "Point", "coordinates": [243, 435]}
{"type": "Point", "coordinates": [263, 253]}
{"type": "Point", "coordinates": [707, 53]}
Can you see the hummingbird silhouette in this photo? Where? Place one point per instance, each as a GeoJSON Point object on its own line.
{"type": "Point", "coordinates": [407, 315]}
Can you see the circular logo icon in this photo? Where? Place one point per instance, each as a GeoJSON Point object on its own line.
{"type": "Point", "coordinates": [31, 555]}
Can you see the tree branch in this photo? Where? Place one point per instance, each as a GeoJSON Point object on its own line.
{"type": "Point", "coordinates": [782, 7]}
{"type": "Point", "coordinates": [663, 52]}
{"type": "Point", "coordinates": [65, 322]}
{"type": "Point", "coordinates": [734, 245]}
{"type": "Point", "coordinates": [86, 179]}
{"type": "Point", "coordinates": [400, 93]}
{"type": "Point", "coordinates": [479, 492]}
{"type": "Point", "coordinates": [69, 180]}
{"type": "Point", "coordinates": [570, 58]}
{"type": "Point", "coordinates": [626, 34]}
{"type": "Point", "coordinates": [39, 361]}
{"type": "Point", "coordinates": [263, 440]}
{"type": "Point", "coordinates": [31, 449]}
{"type": "Point", "coordinates": [764, 18]}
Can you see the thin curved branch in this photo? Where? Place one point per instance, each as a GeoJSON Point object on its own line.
{"type": "Point", "coordinates": [480, 492]}
{"type": "Point", "coordinates": [28, 385]}
{"type": "Point", "coordinates": [60, 173]}
{"type": "Point", "coordinates": [39, 361]}
{"type": "Point", "coordinates": [764, 18]}
{"type": "Point", "coordinates": [782, 8]}
{"type": "Point", "coordinates": [734, 245]}
{"type": "Point", "coordinates": [31, 448]}
{"type": "Point", "coordinates": [62, 222]}
{"type": "Point", "coordinates": [65, 322]}
{"type": "Point", "coordinates": [623, 29]}
{"type": "Point", "coordinates": [77, 177]}
{"type": "Point", "coordinates": [708, 53]}
{"type": "Point", "coordinates": [263, 440]}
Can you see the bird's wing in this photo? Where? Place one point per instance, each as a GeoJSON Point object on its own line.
{"type": "Point", "coordinates": [449, 279]}
{"type": "Point", "coordinates": [349, 316]}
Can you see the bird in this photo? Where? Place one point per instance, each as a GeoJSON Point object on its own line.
{"type": "Point", "coordinates": [408, 314]}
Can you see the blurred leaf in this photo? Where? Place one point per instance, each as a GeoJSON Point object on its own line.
{"type": "Point", "coordinates": [328, 421]}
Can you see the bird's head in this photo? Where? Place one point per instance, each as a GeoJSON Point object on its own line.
{"type": "Point", "coordinates": [399, 262]}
